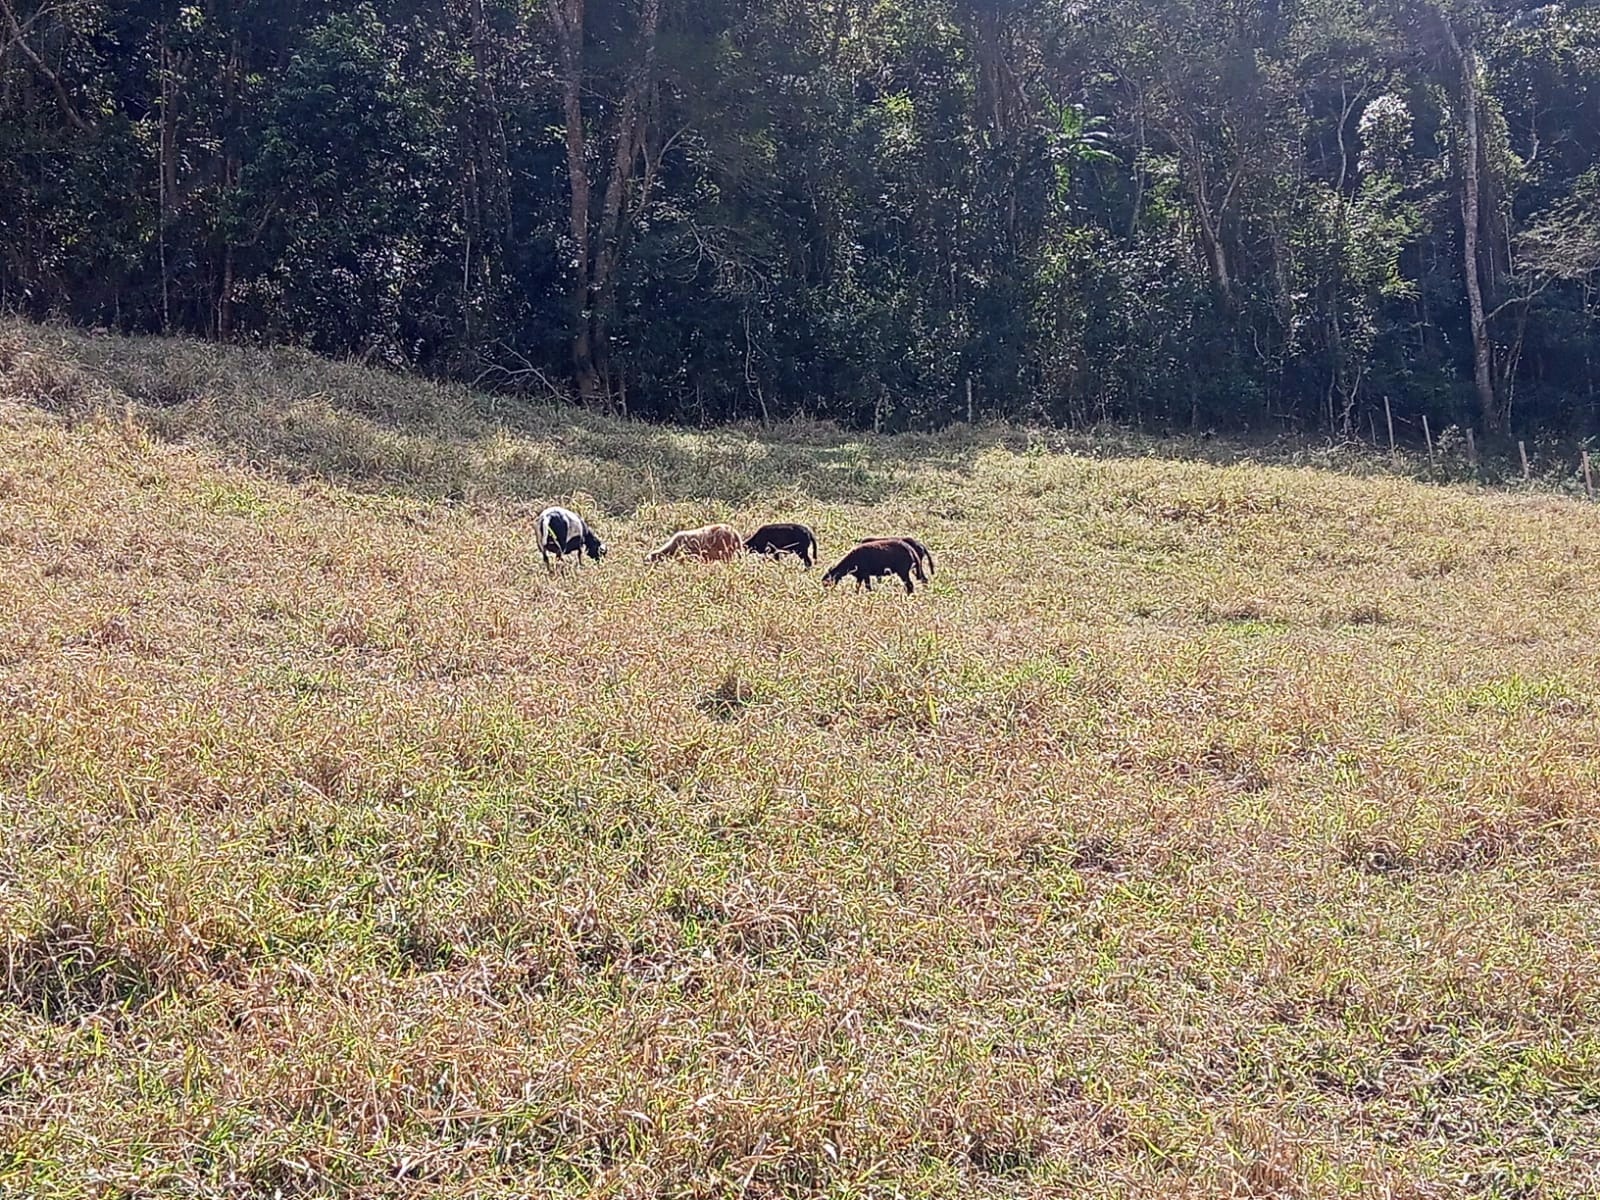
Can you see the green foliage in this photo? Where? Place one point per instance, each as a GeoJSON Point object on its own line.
{"type": "Point", "coordinates": [1076, 139]}
{"type": "Point", "coordinates": [1184, 214]}
{"type": "Point", "coordinates": [342, 176]}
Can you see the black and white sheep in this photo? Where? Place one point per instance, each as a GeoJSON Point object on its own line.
{"type": "Point", "coordinates": [562, 532]}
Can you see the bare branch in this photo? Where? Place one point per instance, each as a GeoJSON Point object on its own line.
{"type": "Point", "coordinates": [21, 42]}
{"type": "Point", "coordinates": [1526, 298]}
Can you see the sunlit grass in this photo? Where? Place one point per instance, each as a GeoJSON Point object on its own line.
{"type": "Point", "coordinates": [1214, 830]}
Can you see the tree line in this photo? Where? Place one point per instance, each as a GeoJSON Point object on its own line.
{"type": "Point", "coordinates": [1179, 214]}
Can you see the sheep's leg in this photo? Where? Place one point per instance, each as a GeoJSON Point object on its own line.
{"type": "Point", "coordinates": [544, 552]}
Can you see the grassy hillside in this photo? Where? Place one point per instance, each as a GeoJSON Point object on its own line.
{"type": "Point", "coordinates": [1203, 830]}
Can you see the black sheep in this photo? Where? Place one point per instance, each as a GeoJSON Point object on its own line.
{"type": "Point", "coordinates": [562, 532]}
{"type": "Point", "coordinates": [783, 538]}
{"type": "Point", "coordinates": [879, 556]}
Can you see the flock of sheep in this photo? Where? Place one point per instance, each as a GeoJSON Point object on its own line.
{"type": "Point", "coordinates": [563, 532]}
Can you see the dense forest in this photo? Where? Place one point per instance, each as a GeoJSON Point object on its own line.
{"type": "Point", "coordinates": [1232, 214]}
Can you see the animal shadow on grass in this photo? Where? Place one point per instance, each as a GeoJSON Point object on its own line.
{"type": "Point", "coordinates": [732, 695]}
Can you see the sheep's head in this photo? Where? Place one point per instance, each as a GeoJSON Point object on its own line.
{"type": "Point", "coordinates": [831, 579]}
{"type": "Point", "coordinates": [593, 546]}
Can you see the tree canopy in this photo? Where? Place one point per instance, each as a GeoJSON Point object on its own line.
{"type": "Point", "coordinates": [1239, 214]}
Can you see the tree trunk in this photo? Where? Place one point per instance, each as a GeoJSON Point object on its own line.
{"type": "Point", "coordinates": [1341, 236]}
{"type": "Point", "coordinates": [1136, 208]}
{"type": "Point", "coordinates": [615, 214]}
{"type": "Point", "coordinates": [167, 169]}
{"type": "Point", "coordinates": [225, 295]}
{"type": "Point", "coordinates": [841, 21]}
{"type": "Point", "coordinates": [492, 151]}
{"type": "Point", "coordinates": [232, 168]}
{"type": "Point", "coordinates": [1209, 221]}
{"type": "Point", "coordinates": [597, 247]}
{"type": "Point", "coordinates": [569, 21]}
{"type": "Point", "coordinates": [1216, 251]}
{"type": "Point", "coordinates": [1471, 152]}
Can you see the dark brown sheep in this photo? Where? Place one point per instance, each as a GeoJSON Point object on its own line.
{"type": "Point", "coordinates": [921, 550]}
{"type": "Point", "coordinates": [875, 557]}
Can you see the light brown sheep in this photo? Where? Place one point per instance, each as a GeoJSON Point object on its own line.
{"type": "Point", "coordinates": [715, 543]}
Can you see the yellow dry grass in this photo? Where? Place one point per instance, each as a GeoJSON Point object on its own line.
{"type": "Point", "coordinates": [1203, 830]}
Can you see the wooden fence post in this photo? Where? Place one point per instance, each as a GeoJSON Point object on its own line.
{"type": "Point", "coordinates": [969, 399]}
{"type": "Point", "coordinates": [1522, 452]}
{"type": "Point", "coordinates": [1389, 417]}
{"type": "Point", "coordinates": [1588, 479]}
{"type": "Point", "coordinates": [1472, 451]}
{"type": "Point", "coordinates": [1427, 433]}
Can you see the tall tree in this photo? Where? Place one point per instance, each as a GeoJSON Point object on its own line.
{"type": "Point", "coordinates": [614, 138]}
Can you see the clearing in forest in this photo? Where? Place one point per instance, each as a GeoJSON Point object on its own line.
{"type": "Point", "coordinates": [1202, 829]}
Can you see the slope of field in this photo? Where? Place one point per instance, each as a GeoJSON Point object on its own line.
{"type": "Point", "coordinates": [1202, 830]}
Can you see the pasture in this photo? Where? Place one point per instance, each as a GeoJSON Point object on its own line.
{"type": "Point", "coordinates": [1203, 828]}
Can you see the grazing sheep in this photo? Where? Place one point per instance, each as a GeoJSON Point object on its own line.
{"type": "Point", "coordinates": [921, 551]}
{"type": "Point", "coordinates": [563, 532]}
{"type": "Point", "coordinates": [784, 538]}
{"type": "Point", "coordinates": [715, 543]}
{"type": "Point", "coordinates": [878, 556]}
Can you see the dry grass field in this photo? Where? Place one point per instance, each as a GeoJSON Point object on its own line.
{"type": "Point", "coordinates": [1205, 829]}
